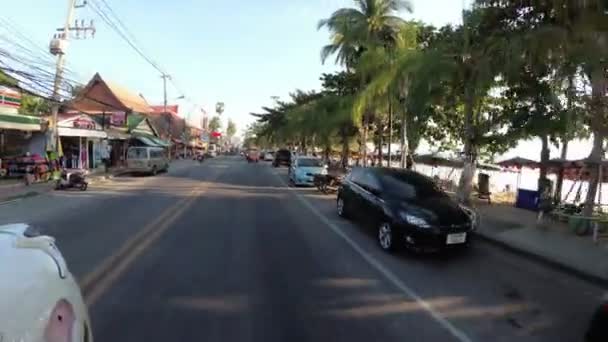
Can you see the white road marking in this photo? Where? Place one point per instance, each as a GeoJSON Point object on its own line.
{"type": "Point", "coordinates": [390, 276]}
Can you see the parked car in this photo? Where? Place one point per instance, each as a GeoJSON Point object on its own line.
{"type": "Point", "coordinates": [282, 157]}
{"type": "Point", "coordinates": [39, 298]}
{"type": "Point", "coordinates": [406, 208]}
{"type": "Point", "coordinates": [253, 155]}
{"type": "Point", "coordinates": [147, 159]}
{"type": "Point", "coordinates": [598, 327]}
{"type": "Point", "coordinates": [304, 169]}
{"type": "Point", "coordinates": [268, 156]}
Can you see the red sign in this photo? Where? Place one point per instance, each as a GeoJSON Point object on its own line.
{"type": "Point", "coordinates": [118, 119]}
{"type": "Point", "coordinates": [84, 123]}
{"type": "Point", "coordinates": [216, 134]}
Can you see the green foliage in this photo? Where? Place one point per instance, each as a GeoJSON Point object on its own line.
{"type": "Point", "coordinates": [7, 80]}
{"type": "Point", "coordinates": [230, 129]}
{"type": "Point", "coordinates": [33, 105]}
{"type": "Point", "coordinates": [353, 30]}
{"type": "Point", "coordinates": [215, 124]}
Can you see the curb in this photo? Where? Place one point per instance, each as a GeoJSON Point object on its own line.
{"type": "Point", "coordinates": [19, 197]}
{"type": "Point", "coordinates": [584, 275]}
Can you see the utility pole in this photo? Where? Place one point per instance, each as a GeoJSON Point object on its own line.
{"type": "Point", "coordinates": [58, 47]}
{"type": "Point", "coordinates": [219, 109]}
{"type": "Point", "coordinates": [165, 77]}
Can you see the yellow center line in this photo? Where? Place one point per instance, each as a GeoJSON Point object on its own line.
{"type": "Point", "coordinates": [110, 277]}
{"type": "Point", "coordinates": [90, 278]}
{"type": "Point", "coordinates": [98, 281]}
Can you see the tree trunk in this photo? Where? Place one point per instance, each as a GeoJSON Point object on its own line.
{"type": "Point", "coordinates": [345, 148]}
{"type": "Point", "coordinates": [544, 159]}
{"type": "Point", "coordinates": [598, 91]}
{"type": "Point", "coordinates": [559, 183]}
{"type": "Point", "coordinates": [363, 146]}
{"type": "Point", "coordinates": [405, 154]}
{"type": "Point", "coordinates": [465, 185]}
{"type": "Point", "coordinates": [570, 93]}
{"type": "Point", "coordinates": [390, 130]}
{"type": "Point", "coordinates": [380, 136]}
{"type": "Point", "coordinates": [409, 163]}
{"type": "Point", "coordinates": [592, 164]}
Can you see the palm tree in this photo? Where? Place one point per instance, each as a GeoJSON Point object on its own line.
{"type": "Point", "coordinates": [373, 23]}
{"type": "Point", "coordinates": [392, 69]}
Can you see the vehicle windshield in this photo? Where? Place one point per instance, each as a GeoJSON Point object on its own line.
{"type": "Point", "coordinates": [138, 153]}
{"type": "Point", "coordinates": [310, 162]}
{"type": "Point", "coordinates": [411, 185]}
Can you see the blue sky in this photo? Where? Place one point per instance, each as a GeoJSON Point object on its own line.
{"type": "Point", "coordinates": [239, 52]}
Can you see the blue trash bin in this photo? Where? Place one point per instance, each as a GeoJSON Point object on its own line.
{"type": "Point", "coordinates": [527, 199]}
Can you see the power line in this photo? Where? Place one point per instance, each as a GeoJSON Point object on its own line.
{"type": "Point", "coordinates": [111, 18]}
{"type": "Point", "coordinates": [104, 16]}
{"type": "Point", "coordinates": [35, 53]}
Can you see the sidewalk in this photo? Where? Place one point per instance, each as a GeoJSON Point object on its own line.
{"type": "Point", "coordinates": [15, 190]}
{"type": "Point", "coordinates": [516, 229]}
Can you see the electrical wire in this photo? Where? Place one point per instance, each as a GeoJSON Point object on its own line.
{"type": "Point", "coordinates": [111, 18]}
{"type": "Point", "coordinates": [28, 50]}
{"type": "Point", "coordinates": [104, 16]}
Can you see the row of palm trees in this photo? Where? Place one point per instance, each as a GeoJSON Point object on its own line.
{"type": "Point", "coordinates": [512, 70]}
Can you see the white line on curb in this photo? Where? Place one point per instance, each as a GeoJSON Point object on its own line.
{"type": "Point", "coordinates": [457, 333]}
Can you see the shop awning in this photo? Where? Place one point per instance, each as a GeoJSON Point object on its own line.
{"type": "Point", "coordinates": [147, 141]}
{"type": "Point", "coordinates": [78, 132]}
{"type": "Point", "coordinates": [160, 142]}
{"type": "Point", "coordinates": [20, 122]}
{"type": "Point", "coordinates": [115, 134]}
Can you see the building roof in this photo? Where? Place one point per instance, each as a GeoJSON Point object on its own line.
{"type": "Point", "coordinates": [102, 96]}
{"type": "Point", "coordinates": [171, 109]}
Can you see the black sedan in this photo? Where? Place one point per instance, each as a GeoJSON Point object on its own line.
{"type": "Point", "coordinates": [598, 328]}
{"type": "Point", "coordinates": [406, 208]}
{"type": "Point", "coordinates": [282, 157]}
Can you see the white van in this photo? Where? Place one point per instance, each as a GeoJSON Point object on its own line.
{"type": "Point", "coordinates": [147, 159]}
{"type": "Point", "coordinates": [212, 152]}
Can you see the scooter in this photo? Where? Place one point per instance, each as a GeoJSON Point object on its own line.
{"type": "Point", "coordinates": [328, 184]}
{"type": "Point", "coordinates": [72, 179]}
{"type": "Point", "coordinates": [331, 182]}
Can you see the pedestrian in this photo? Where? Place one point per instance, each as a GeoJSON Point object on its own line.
{"type": "Point", "coordinates": [105, 157]}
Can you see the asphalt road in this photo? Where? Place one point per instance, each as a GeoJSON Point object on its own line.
{"type": "Point", "coordinates": [225, 251]}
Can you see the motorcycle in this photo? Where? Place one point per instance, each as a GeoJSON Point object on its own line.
{"type": "Point", "coordinates": [328, 184]}
{"type": "Point", "coordinates": [200, 158]}
{"type": "Point", "coordinates": [72, 179]}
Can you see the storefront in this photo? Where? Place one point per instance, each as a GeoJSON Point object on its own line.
{"type": "Point", "coordinates": [82, 141]}
{"type": "Point", "coordinates": [114, 109]}
{"type": "Point", "coordinates": [21, 139]}
{"type": "Point", "coordinates": [118, 144]}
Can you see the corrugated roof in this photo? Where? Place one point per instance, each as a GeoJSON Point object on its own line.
{"type": "Point", "coordinates": [100, 95]}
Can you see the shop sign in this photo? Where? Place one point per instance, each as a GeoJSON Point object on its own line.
{"type": "Point", "coordinates": [118, 119]}
{"type": "Point", "coordinates": [84, 123]}
{"type": "Point", "coordinates": [9, 98]}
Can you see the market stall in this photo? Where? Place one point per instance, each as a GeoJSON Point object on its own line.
{"type": "Point", "coordinates": [21, 137]}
